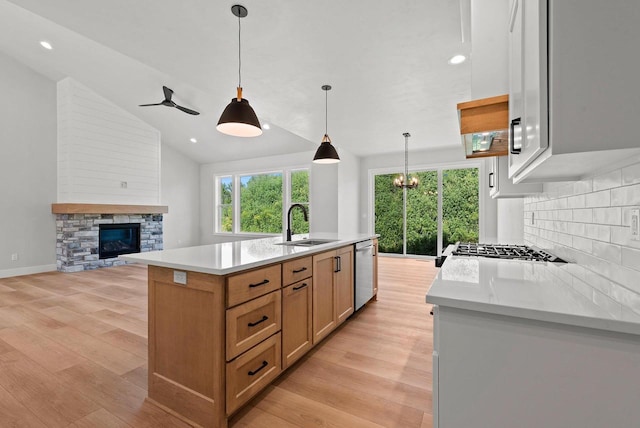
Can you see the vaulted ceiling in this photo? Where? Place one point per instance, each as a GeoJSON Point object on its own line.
{"type": "Point", "coordinates": [386, 61]}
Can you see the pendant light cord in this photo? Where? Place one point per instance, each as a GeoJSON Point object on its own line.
{"type": "Point", "coordinates": [326, 110]}
{"type": "Point", "coordinates": [239, 57]}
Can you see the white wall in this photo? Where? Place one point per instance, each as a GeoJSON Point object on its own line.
{"type": "Point", "coordinates": [349, 207]}
{"type": "Point", "coordinates": [100, 146]}
{"type": "Point", "coordinates": [181, 192]}
{"type": "Point", "coordinates": [27, 169]}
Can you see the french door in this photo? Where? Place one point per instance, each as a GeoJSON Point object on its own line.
{"type": "Point", "coordinates": [422, 221]}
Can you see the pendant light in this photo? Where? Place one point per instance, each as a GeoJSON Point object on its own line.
{"type": "Point", "coordinates": [238, 118]}
{"type": "Point", "coordinates": [411, 183]}
{"type": "Point", "coordinates": [326, 153]}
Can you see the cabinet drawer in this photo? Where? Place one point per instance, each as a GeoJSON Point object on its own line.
{"type": "Point", "coordinates": [252, 371]}
{"type": "Point", "coordinates": [247, 286]}
{"type": "Point", "coordinates": [252, 322]}
{"type": "Point", "coordinates": [295, 270]}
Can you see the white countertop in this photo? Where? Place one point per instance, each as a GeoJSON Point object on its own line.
{"type": "Point", "coordinates": [555, 292]}
{"type": "Point", "coordinates": [230, 257]}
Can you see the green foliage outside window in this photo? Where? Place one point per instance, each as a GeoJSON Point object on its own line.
{"type": "Point", "coordinates": [261, 203]}
{"type": "Point", "coordinates": [226, 208]}
{"type": "Point", "coordinates": [299, 195]}
{"type": "Point", "coordinates": [459, 211]}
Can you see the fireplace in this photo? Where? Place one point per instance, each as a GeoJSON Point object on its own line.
{"type": "Point", "coordinates": [116, 239]}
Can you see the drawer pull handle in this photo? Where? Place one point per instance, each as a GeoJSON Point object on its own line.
{"type": "Point", "coordinates": [302, 269]}
{"type": "Point", "coordinates": [253, 324]}
{"type": "Point", "coordinates": [254, 372]}
{"type": "Point", "coordinates": [266, 281]}
{"type": "Point", "coordinates": [304, 284]}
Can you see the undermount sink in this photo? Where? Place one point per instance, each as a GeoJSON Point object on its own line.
{"type": "Point", "coordinates": [307, 242]}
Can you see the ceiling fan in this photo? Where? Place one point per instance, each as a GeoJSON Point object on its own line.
{"type": "Point", "coordinates": [167, 102]}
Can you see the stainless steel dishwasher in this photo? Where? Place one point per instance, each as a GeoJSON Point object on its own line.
{"type": "Point", "coordinates": [364, 273]}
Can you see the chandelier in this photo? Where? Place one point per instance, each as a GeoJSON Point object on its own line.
{"type": "Point", "coordinates": [404, 181]}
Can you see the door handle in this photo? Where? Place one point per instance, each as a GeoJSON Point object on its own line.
{"type": "Point", "coordinates": [512, 145]}
{"type": "Point", "coordinates": [302, 269]}
{"type": "Point", "coordinates": [337, 269]}
{"type": "Point", "coordinates": [491, 178]}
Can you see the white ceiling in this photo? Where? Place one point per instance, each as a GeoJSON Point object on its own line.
{"type": "Point", "coordinates": [386, 61]}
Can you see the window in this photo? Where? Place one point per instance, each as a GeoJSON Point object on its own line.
{"type": "Point", "coordinates": [255, 202]}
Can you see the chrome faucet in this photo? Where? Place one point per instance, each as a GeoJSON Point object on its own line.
{"type": "Point", "coordinates": [306, 218]}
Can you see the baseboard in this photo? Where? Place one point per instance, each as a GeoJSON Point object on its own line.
{"type": "Point", "coordinates": [27, 270]}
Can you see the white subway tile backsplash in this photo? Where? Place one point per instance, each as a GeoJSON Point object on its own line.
{"type": "Point", "coordinates": [598, 199]}
{"type": "Point", "coordinates": [587, 222]}
{"type": "Point", "coordinates": [611, 215]}
{"type": "Point", "coordinates": [597, 231]}
{"type": "Point", "coordinates": [579, 201]}
{"type": "Point", "coordinates": [631, 258]}
{"type": "Point", "coordinates": [583, 215]}
{"type": "Point", "coordinates": [626, 195]}
{"type": "Point", "coordinates": [607, 181]}
{"type": "Point", "coordinates": [631, 174]}
{"type": "Point", "coordinates": [606, 251]}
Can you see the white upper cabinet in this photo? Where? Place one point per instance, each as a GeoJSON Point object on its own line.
{"type": "Point", "coordinates": [574, 96]}
{"type": "Point", "coordinates": [501, 186]}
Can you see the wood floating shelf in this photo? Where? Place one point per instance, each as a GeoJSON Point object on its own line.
{"type": "Point", "coordinates": [482, 116]}
{"type": "Point", "coordinates": [68, 208]}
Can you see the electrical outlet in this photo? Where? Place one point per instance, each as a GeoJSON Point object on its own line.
{"type": "Point", "coordinates": [533, 218]}
{"type": "Point", "coordinates": [123, 184]}
{"type": "Point", "coordinates": [635, 224]}
{"type": "Point", "coordinates": [180, 277]}
{"type": "Point", "coordinates": [14, 257]}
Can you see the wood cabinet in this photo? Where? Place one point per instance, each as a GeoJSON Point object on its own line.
{"type": "Point", "coordinates": [333, 299]}
{"type": "Point", "coordinates": [216, 341]}
{"type": "Point", "coordinates": [297, 328]}
{"type": "Point", "coordinates": [343, 284]}
{"type": "Point", "coordinates": [572, 112]}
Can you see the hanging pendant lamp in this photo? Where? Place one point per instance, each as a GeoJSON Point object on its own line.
{"type": "Point", "coordinates": [404, 181]}
{"type": "Point", "coordinates": [326, 153]}
{"type": "Point", "coordinates": [238, 118]}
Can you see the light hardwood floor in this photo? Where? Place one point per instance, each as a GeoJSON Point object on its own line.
{"type": "Point", "coordinates": [73, 353]}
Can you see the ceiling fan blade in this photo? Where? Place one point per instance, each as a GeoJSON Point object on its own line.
{"type": "Point", "coordinates": [187, 110]}
{"type": "Point", "coordinates": [167, 93]}
{"type": "Point", "coordinates": [147, 105]}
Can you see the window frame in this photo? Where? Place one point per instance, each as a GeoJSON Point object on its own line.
{"type": "Point", "coordinates": [235, 198]}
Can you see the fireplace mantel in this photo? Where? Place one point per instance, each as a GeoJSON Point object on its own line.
{"type": "Point", "coordinates": [69, 208]}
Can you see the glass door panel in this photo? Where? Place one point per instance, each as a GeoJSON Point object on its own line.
{"type": "Point", "coordinates": [388, 214]}
{"type": "Point", "coordinates": [422, 215]}
{"type": "Point", "coordinates": [460, 206]}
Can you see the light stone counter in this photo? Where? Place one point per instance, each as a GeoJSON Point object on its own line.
{"type": "Point", "coordinates": [231, 257]}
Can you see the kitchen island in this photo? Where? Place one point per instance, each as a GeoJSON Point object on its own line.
{"type": "Point", "coordinates": [530, 344]}
{"type": "Point", "coordinates": [226, 319]}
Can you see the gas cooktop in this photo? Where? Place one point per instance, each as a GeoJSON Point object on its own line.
{"type": "Point", "coordinates": [498, 251]}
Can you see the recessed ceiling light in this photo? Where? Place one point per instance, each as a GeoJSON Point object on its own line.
{"type": "Point", "coordinates": [457, 59]}
{"type": "Point", "coordinates": [193, 140]}
{"type": "Point", "coordinates": [266, 126]}
{"type": "Point", "coordinates": [46, 45]}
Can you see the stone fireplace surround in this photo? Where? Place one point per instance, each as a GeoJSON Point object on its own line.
{"type": "Point", "coordinates": [77, 228]}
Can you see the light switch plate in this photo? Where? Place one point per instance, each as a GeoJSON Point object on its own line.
{"type": "Point", "coordinates": [180, 277]}
{"type": "Point", "coordinates": [635, 224]}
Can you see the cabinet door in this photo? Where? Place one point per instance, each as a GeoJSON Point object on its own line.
{"type": "Point", "coordinates": [344, 284]}
{"type": "Point", "coordinates": [297, 331]}
{"type": "Point", "coordinates": [324, 309]}
{"type": "Point", "coordinates": [528, 134]}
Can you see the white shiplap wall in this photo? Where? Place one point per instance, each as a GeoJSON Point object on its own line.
{"type": "Point", "coordinates": [589, 222]}
{"type": "Point", "coordinates": [100, 146]}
